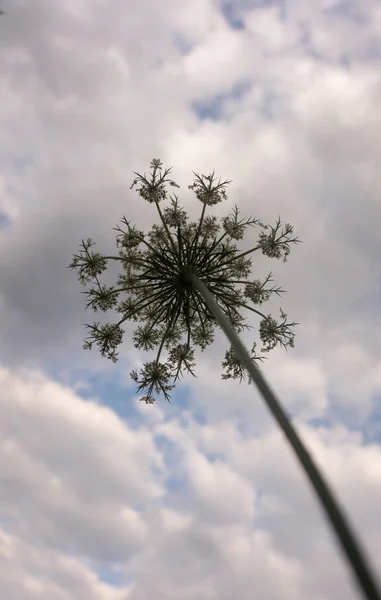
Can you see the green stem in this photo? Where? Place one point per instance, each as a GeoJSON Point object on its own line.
{"type": "Point", "coordinates": [227, 262]}
{"type": "Point", "coordinates": [195, 239]}
{"type": "Point", "coordinates": [350, 546]}
{"type": "Point", "coordinates": [217, 242]}
{"type": "Point", "coordinates": [166, 229]}
{"type": "Point", "coordinates": [152, 286]}
{"type": "Point", "coordinates": [174, 316]}
{"type": "Point", "coordinates": [140, 307]}
{"type": "Point", "coordinates": [181, 256]}
{"type": "Point", "coordinates": [153, 250]}
{"type": "Point", "coordinates": [157, 317]}
{"type": "Point", "coordinates": [258, 312]}
{"type": "Point", "coordinates": [253, 250]}
{"type": "Point", "coordinates": [218, 280]}
{"type": "Point", "coordinates": [126, 259]}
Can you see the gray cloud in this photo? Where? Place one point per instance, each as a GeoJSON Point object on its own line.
{"type": "Point", "coordinates": [28, 572]}
{"type": "Point", "coordinates": [89, 95]}
{"type": "Point", "coordinates": [84, 490]}
{"type": "Point", "coordinates": [286, 534]}
{"type": "Point", "coordinates": [98, 102]}
{"type": "Point", "coordinates": [47, 433]}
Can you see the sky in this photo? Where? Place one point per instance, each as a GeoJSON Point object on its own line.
{"type": "Point", "coordinates": [101, 496]}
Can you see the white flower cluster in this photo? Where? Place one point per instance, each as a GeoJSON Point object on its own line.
{"type": "Point", "coordinates": [153, 288]}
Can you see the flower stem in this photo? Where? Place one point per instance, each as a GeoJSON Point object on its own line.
{"type": "Point", "coordinates": [166, 228]}
{"type": "Point", "coordinates": [133, 261]}
{"type": "Point", "coordinates": [174, 316]}
{"type": "Point", "coordinates": [195, 239]}
{"type": "Point", "coordinates": [141, 306]}
{"type": "Point", "coordinates": [335, 514]}
{"type": "Point", "coordinates": [235, 257]}
{"type": "Point", "coordinates": [258, 312]}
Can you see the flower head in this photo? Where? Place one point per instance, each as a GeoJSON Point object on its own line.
{"type": "Point", "coordinates": [154, 289]}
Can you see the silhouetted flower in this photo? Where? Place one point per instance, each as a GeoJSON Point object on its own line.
{"type": "Point", "coordinates": [154, 289]}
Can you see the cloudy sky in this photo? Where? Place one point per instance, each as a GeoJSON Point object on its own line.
{"type": "Point", "coordinates": [103, 497]}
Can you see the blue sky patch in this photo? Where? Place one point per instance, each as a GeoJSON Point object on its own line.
{"type": "Point", "coordinates": [372, 428]}
{"type": "Point", "coordinates": [212, 108]}
{"type": "Point", "coordinates": [230, 11]}
{"type": "Point", "coordinates": [110, 575]}
{"type": "Point", "coordinates": [350, 10]}
{"type": "Point", "coordinates": [183, 45]}
{"type": "Point", "coordinates": [106, 389]}
{"type": "Point", "coordinates": [171, 453]}
{"type": "Point", "coordinates": [4, 220]}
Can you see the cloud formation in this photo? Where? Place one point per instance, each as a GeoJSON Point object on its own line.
{"type": "Point", "coordinates": [210, 513]}
{"type": "Point", "coordinates": [203, 501]}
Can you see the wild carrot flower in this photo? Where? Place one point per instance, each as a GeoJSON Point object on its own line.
{"type": "Point", "coordinates": [154, 290]}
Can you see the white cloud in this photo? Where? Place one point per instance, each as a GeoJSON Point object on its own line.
{"type": "Point", "coordinates": [219, 492]}
{"type": "Point", "coordinates": [83, 489]}
{"type": "Point", "coordinates": [214, 66]}
{"type": "Point", "coordinates": [75, 472]}
{"type": "Point", "coordinates": [286, 534]}
{"type": "Point", "coordinates": [91, 92]}
{"type": "Point", "coordinates": [28, 572]}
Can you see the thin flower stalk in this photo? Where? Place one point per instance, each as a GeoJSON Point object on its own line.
{"type": "Point", "coordinates": [335, 514]}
